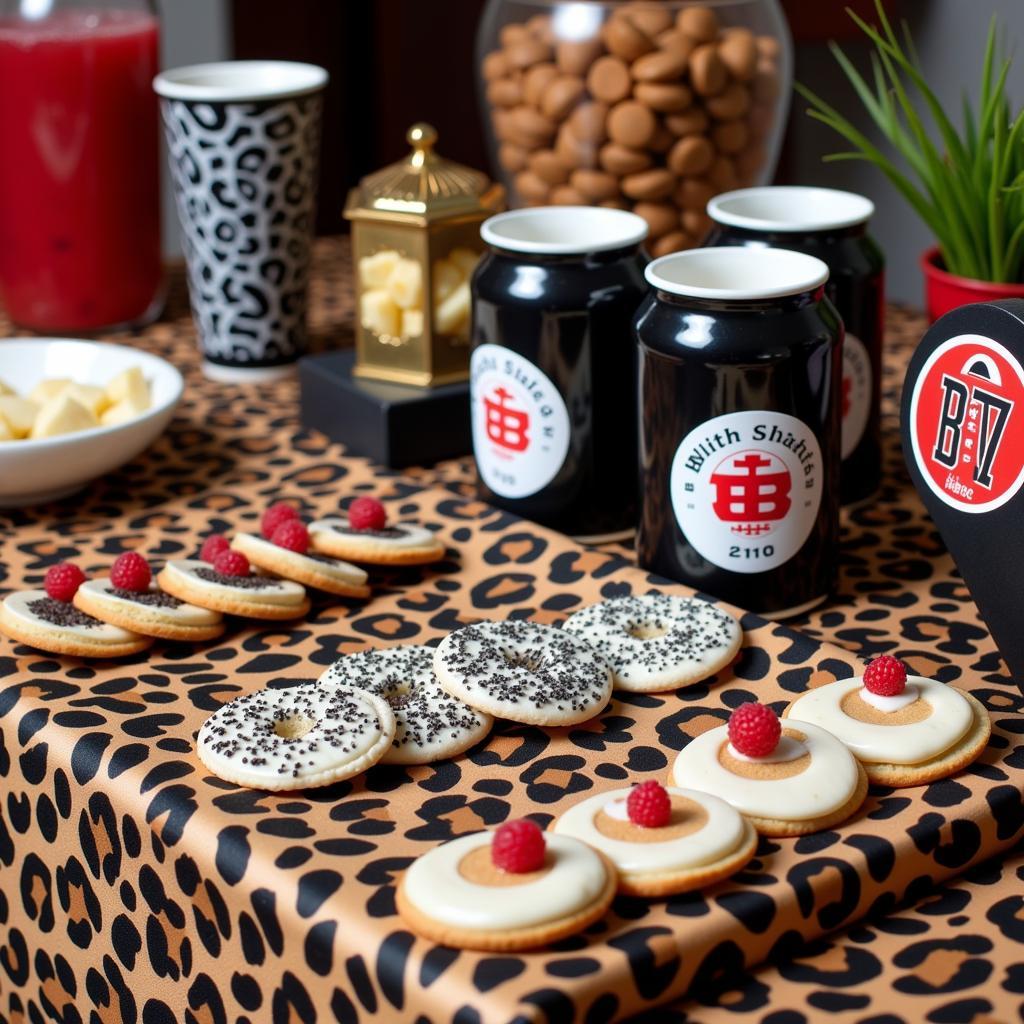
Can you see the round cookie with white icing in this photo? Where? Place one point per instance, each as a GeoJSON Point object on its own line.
{"type": "Point", "coordinates": [150, 612]}
{"type": "Point", "coordinates": [296, 738]}
{"type": "Point", "coordinates": [253, 596]}
{"type": "Point", "coordinates": [925, 731]}
{"type": "Point", "coordinates": [524, 672]}
{"type": "Point", "coordinates": [807, 782]}
{"type": "Point", "coordinates": [658, 642]}
{"type": "Point", "coordinates": [430, 724]}
{"type": "Point", "coordinates": [33, 617]}
{"type": "Point", "coordinates": [702, 840]}
{"type": "Point", "coordinates": [456, 895]}
{"type": "Point", "coordinates": [322, 572]}
{"type": "Point", "coordinates": [400, 544]}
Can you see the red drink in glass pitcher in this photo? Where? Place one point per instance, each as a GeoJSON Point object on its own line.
{"type": "Point", "coordinates": [79, 164]}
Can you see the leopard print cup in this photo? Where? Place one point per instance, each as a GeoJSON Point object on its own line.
{"type": "Point", "coordinates": [243, 142]}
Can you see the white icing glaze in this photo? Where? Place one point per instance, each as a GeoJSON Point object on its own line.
{"type": "Point", "coordinates": [787, 749]}
{"type": "Point", "coordinates": [524, 671]}
{"type": "Point", "coordinates": [431, 724]}
{"type": "Point", "coordinates": [829, 781]}
{"type": "Point", "coordinates": [184, 614]}
{"type": "Point", "coordinates": [950, 720]}
{"type": "Point", "coordinates": [697, 638]}
{"type": "Point", "coordinates": [720, 836]}
{"type": "Point", "coordinates": [284, 592]}
{"type": "Point", "coordinates": [17, 606]}
{"type": "Point", "coordinates": [434, 886]}
{"type": "Point", "coordinates": [348, 727]}
{"type": "Point", "coordinates": [890, 705]}
{"type": "Point", "coordinates": [617, 809]}
{"type": "Point", "coordinates": [337, 569]}
{"type": "Point", "coordinates": [413, 536]}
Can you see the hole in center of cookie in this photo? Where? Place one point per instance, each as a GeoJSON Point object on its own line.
{"type": "Point", "coordinates": [530, 660]}
{"type": "Point", "coordinates": [398, 694]}
{"type": "Point", "coordinates": [645, 631]}
{"type": "Point", "coordinates": [294, 727]}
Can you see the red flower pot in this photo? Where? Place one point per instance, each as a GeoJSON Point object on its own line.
{"type": "Point", "coordinates": [945, 291]}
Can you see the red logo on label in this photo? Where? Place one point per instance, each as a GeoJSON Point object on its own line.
{"type": "Point", "coordinates": [964, 403]}
{"type": "Point", "coordinates": [752, 490]}
{"type": "Point", "coordinates": [506, 426]}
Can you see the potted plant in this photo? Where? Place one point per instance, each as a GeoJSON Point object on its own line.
{"type": "Point", "coordinates": [966, 184]}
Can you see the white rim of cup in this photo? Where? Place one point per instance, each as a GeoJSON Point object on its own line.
{"type": "Point", "coordinates": [736, 273]}
{"type": "Point", "coordinates": [240, 81]}
{"type": "Point", "coordinates": [790, 208]}
{"type": "Point", "coordinates": [563, 230]}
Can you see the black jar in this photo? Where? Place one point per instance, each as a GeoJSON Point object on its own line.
{"type": "Point", "coordinates": [552, 374]}
{"type": "Point", "coordinates": [831, 225]}
{"type": "Point", "coordinates": [739, 426]}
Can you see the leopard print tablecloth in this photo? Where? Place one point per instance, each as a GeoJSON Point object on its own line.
{"type": "Point", "coordinates": [180, 898]}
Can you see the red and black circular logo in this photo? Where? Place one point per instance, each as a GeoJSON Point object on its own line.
{"type": "Point", "coordinates": [965, 423]}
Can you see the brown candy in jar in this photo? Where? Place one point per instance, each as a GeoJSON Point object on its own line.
{"type": "Point", "coordinates": [699, 23]}
{"type": "Point", "coordinates": [536, 80]}
{"type": "Point", "coordinates": [738, 52]}
{"type": "Point", "coordinates": [561, 96]}
{"type": "Point", "coordinates": [708, 75]}
{"type": "Point", "coordinates": [650, 18]}
{"type": "Point", "coordinates": [574, 151]}
{"type": "Point", "coordinates": [691, 156]}
{"type": "Point", "coordinates": [576, 56]}
{"type": "Point", "coordinates": [566, 195]}
{"type": "Point", "coordinates": [609, 80]}
{"type": "Point", "coordinates": [657, 183]}
{"type": "Point", "coordinates": [672, 242]}
{"type": "Point", "coordinates": [665, 97]}
{"type": "Point", "coordinates": [620, 160]}
{"type": "Point", "coordinates": [549, 166]}
{"type": "Point", "coordinates": [512, 157]}
{"type": "Point", "coordinates": [624, 38]}
{"type": "Point", "coordinates": [595, 185]}
{"type": "Point", "coordinates": [661, 217]}
{"type": "Point", "coordinates": [631, 124]}
{"type": "Point", "coordinates": [530, 188]}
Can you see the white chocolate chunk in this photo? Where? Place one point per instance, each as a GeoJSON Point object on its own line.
{"type": "Point", "coordinates": [129, 384]}
{"type": "Point", "coordinates": [465, 259]}
{"type": "Point", "coordinates": [47, 389]}
{"type": "Point", "coordinates": [6, 434]}
{"type": "Point", "coordinates": [375, 270]}
{"type": "Point", "coordinates": [447, 277]}
{"type": "Point", "coordinates": [121, 412]}
{"type": "Point", "coordinates": [378, 313]}
{"type": "Point", "coordinates": [92, 397]}
{"type": "Point", "coordinates": [5, 388]}
{"type": "Point", "coordinates": [405, 284]}
{"type": "Point", "coordinates": [452, 315]}
{"type": "Point", "coordinates": [62, 415]}
{"type": "Point", "coordinates": [412, 323]}
{"type": "Point", "coordinates": [19, 413]}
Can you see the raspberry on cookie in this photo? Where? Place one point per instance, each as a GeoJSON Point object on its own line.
{"type": "Point", "coordinates": [368, 538]}
{"type": "Point", "coordinates": [662, 841]}
{"type": "Point", "coordinates": [905, 730]}
{"type": "Point", "coordinates": [516, 888]}
{"type": "Point", "coordinates": [224, 587]}
{"type": "Point", "coordinates": [786, 780]}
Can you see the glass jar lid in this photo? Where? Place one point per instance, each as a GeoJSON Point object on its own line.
{"type": "Point", "coordinates": [423, 187]}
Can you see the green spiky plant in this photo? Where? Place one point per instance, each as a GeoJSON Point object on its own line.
{"type": "Point", "coordinates": [967, 185]}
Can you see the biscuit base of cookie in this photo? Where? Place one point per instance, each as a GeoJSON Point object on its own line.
{"type": "Point", "coordinates": [54, 642]}
{"type": "Point", "coordinates": [215, 603]}
{"type": "Point", "coordinates": [653, 885]}
{"type": "Point", "coordinates": [513, 939]}
{"type": "Point", "coordinates": [334, 544]}
{"type": "Point", "coordinates": [969, 748]}
{"type": "Point", "coordinates": [290, 570]}
{"type": "Point", "coordinates": [144, 621]}
{"type": "Point", "coordinates": [685, 679]}
{"type": "Point", "coordinates": [779, 828]}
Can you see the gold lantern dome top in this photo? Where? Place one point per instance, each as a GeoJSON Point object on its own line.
{"type": "Point", "coordinates": [423, 187]}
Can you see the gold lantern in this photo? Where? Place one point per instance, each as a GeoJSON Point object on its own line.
{"type": "Point", "coordinates": [415, 244]}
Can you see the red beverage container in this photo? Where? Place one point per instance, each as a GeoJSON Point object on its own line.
{"type": "Point", "coordinates": [79, 177]}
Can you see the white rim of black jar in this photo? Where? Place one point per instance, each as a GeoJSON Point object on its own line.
{"type": "Point", "coordinates": [564, 230]}
{"type": "Point", "coordinates": [790, 208]}
{"type": "Point", "coordinates": [240, 81]}
{"type": "Point", "coordinates": [736, 273]}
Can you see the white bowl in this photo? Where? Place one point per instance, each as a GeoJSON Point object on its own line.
{"type": "Point", "coordinates": [35, 471]}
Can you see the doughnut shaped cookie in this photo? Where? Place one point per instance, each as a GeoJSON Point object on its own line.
{"type": "Point", "coordinates": [401, 544]}
{"type": "Point", "coordinates": [311, 569]}
{"type": "Point", "coordinates": [524, 672]}
{"type": "Point", "coordinates": [33, 617]}
{"type": "Point", "coordinates": [455, 896]}
{"type": "Point", "coordinates": [296, 738]}
{"type": "Point", "coordinates": [430, 724]}
{"type": "Point", "coordinates": [151, 612]}
{"type": "Point", "coordinates": [658, 641]}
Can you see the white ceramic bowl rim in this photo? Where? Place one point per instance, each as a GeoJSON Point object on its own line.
{"type": "Point", "coordinates": [790, 208]}
{"type": "Point", "coordinates": [563, 230]}
{"type": "Point", "coordinates": [736, 273]}
{"type": "Point", "coordinates": [146, 361]}
{"type": "Point", "coordinates": [239, 81]}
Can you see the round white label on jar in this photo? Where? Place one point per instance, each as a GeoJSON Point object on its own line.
{"type": "Point", "coordinates": [520, 423]}
{"type": "Point", "coordinates": [856, 393]}
{"type": "Point", "coordinates": [746, 488]}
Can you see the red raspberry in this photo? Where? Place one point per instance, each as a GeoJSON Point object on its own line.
{"type": "Point", "coordinates": [518, 847]}
{"type": "Point", "coordinates": [886, 676]}
{"type": "Point", "coordinates": [754, 729]}
{"type": "Point", "coordinates": [213, 546]}
{"type": "Point", "coordinates": [649, 805]}
{"type": "Point", "coordinates": [231, 563]}
{"type": "Point", "coordinates": [367, 514]}
{"type": "Point", "coordinates": [292, 535]}
{"type": "Point", "coordinates": [274, 516]}
{"type": "Point", "coordinates": [130, 571]}
{"type": "Point", "coordinates": [63, 580]}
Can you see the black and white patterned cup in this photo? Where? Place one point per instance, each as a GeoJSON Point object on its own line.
{"type": "Point", "coordinates": [243, 140]}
